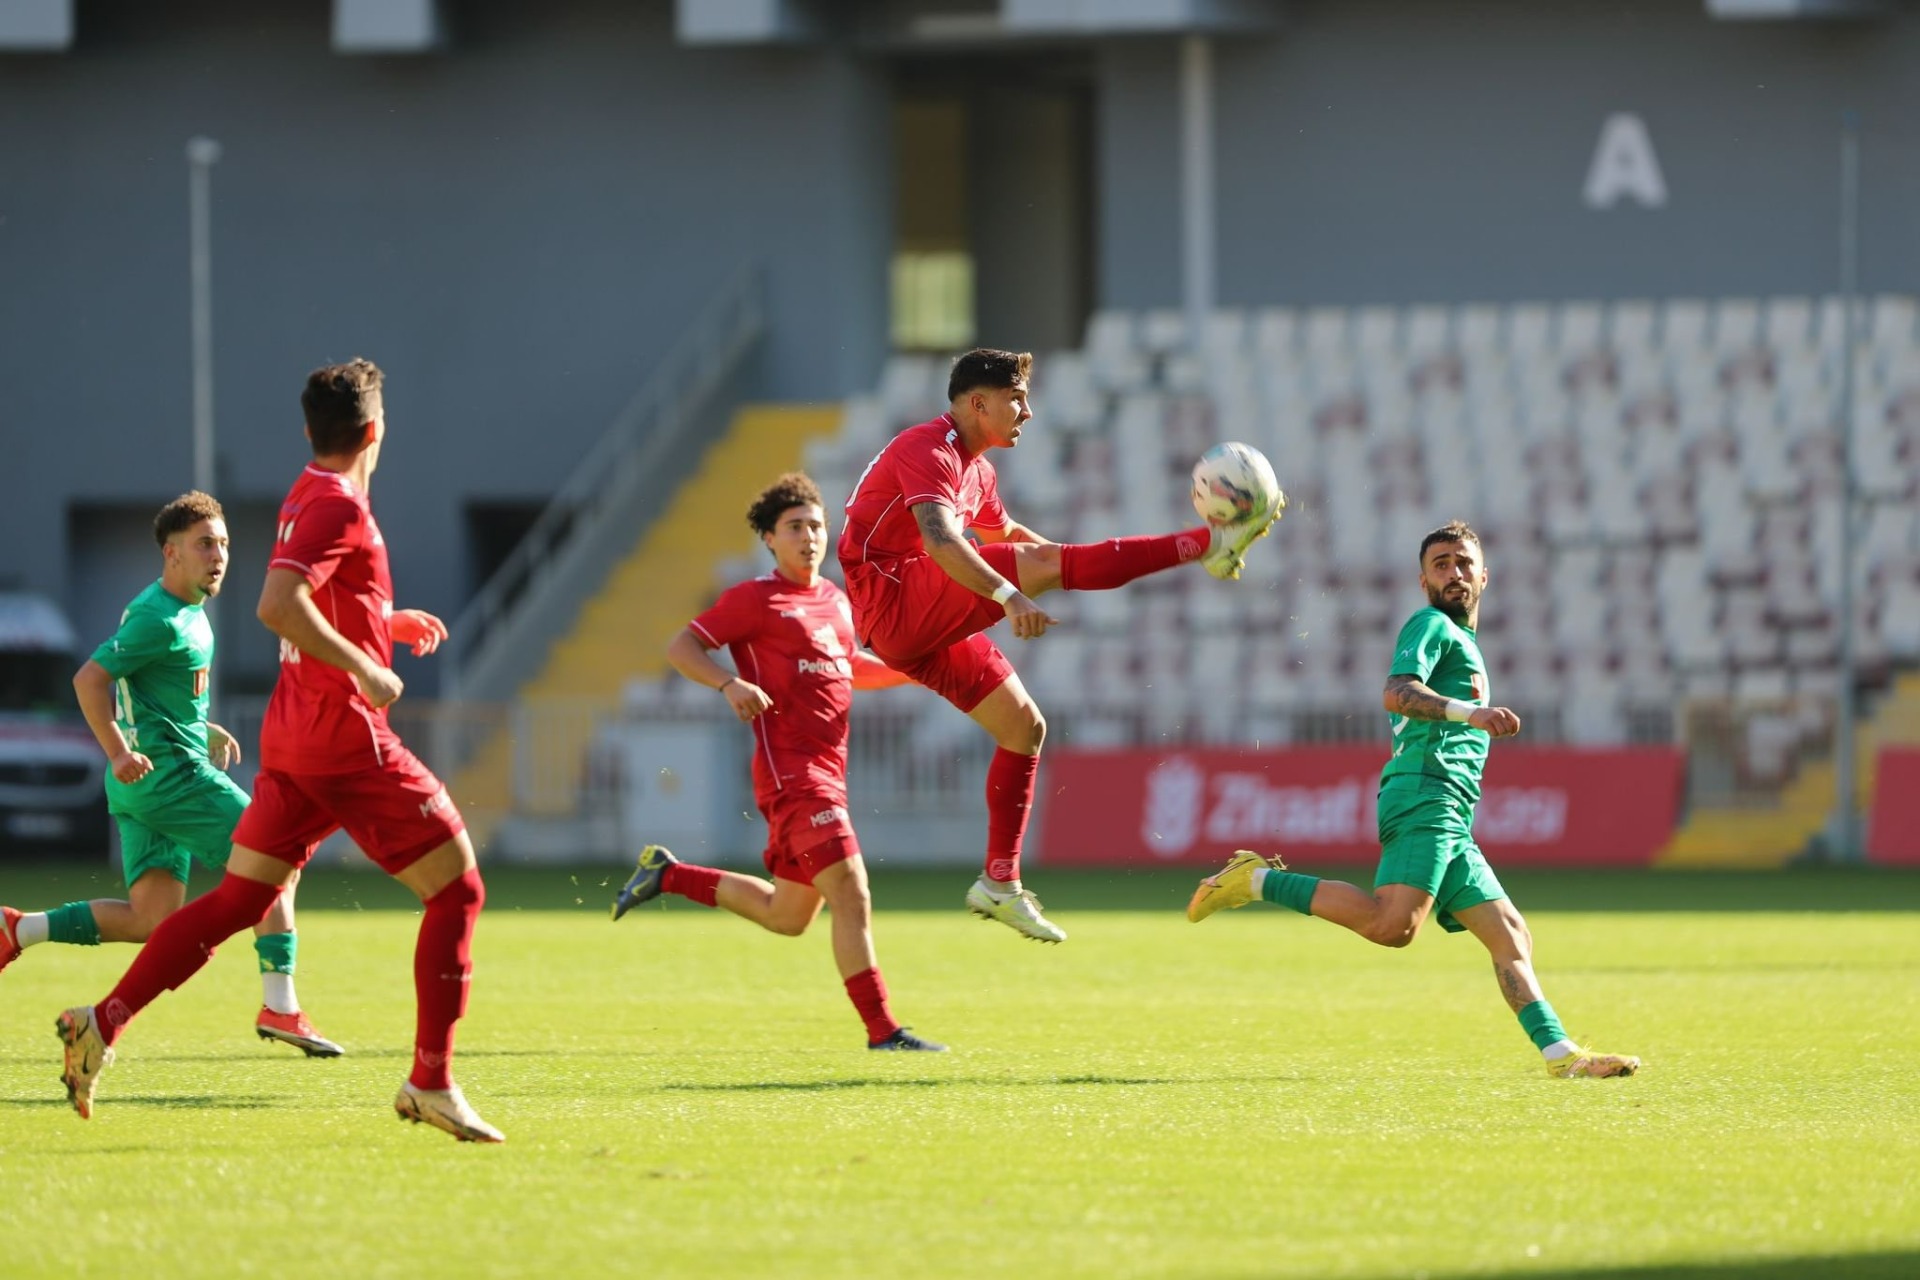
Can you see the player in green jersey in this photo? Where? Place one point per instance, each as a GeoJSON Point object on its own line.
{"type": "Point", "coordinates": [144, 694]}
{"type": "Point", "coordinates": [1438, 699]}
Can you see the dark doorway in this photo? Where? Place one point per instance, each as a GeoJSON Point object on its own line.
{"type": "Point", "coordinates": [993, 206]}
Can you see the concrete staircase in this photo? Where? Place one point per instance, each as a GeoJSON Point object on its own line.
{"type": "Point", "coordinates": [621, 632]}
{"type": "Point", "coordinates": [1772, 836]}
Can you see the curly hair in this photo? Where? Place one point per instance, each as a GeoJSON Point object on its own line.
{"type": "Point", "coordinates": [184, 512]}
{"type": "Point", "coordinates": [794, 489]}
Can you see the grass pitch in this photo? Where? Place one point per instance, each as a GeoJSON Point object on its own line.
{"type": "Point", "coordinates": [1258, 1095]}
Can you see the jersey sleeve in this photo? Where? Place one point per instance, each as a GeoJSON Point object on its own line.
{"type": "Point", "coordinates": [927, 473]}
{"type": "Point", "coordinates": [736, 615]}
{"type": "Point", "coordinates": [141, 639]}
{"type": "Point", "coordinates": [314, 542]}
{"type": "Point", "coordinates": [993, 512]}
{"type": "Point", "coordinates": [1422, 641]}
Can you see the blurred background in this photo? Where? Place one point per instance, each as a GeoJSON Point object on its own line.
{"type": "Point", "coordinates": [1628, 284]}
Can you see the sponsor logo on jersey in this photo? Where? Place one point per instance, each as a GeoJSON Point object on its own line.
{"type": "Point", "coordinates": [200, 682]}
{"type": "Point", "coordinates": [435, 803]}
{"type": "Point", "coordinates": [829, 817]}
{"type": "Point", "coordinates": [826, 667]}
{"type": "Point", "coordinates": [827, 640]}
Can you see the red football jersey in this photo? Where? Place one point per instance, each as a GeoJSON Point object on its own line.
{"type": "Point", "coordinates": [317, 721]}
{"type": "Point", "coordinates": [796, 643]}
{"type": "Point", "coordinates": [926, 463]}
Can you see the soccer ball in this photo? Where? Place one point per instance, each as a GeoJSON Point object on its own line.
{"type": "Point", "coordinates": [1231, 482]}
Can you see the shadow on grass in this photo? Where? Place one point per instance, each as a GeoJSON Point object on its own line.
{"type": "Point", "coordinates": [882, 1082]}
{"type": "Point", "coordinates": [587, 890]}
{"type": "Point", "coordinates": [159, 1101]}
{"type": "Point", "coordinates": [1858, 1266]}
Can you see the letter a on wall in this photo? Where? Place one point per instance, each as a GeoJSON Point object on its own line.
{"type": "Point", "coordinates": [1624, 166]}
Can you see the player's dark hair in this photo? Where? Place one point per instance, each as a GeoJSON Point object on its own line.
{"type": "Point", "coordinates": [985, 367]}
{"type": "Point", "coordinates": [1451, 531]}
{"type": "Point", "coordinates": [794, 489]}
{"type": "Point", "coordinates": [339, 401]}
{"type": "Point", "coordinates": [184, 512]}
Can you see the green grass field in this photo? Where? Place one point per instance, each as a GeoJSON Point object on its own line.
{"type": "Point", "coordinates": [1259, 1095]}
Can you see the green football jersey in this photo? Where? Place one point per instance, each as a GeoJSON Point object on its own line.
{"type": "Point", "coordinates": [1443, 655]}
{"type": "Point", "coordinates": [160, 659]}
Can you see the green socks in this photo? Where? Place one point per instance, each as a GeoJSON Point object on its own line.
{"type": "Point", "coordinates": [276, 951]}
{"type": "Point", "coordinates": [1290, 889]}
{"type": "Point", "coordinates": [73, 923]}
{"type": "Point", "coordinates": [1542, 1024]}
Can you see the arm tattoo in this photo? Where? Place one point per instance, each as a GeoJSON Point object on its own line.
{"type": "Point", "coordinates": [936, 523]}
{"type": "Point", "coordinates": [1412, 699]}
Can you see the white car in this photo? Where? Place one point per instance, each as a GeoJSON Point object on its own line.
{"type": "Point", "coordinates": [50, 767]}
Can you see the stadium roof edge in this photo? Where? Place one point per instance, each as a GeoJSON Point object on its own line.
{"type": "Point", "coordinates": [1801, 10]}
{"type": "Point", "coordinates": [937, 23]}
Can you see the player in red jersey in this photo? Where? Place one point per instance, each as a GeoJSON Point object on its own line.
{"type": "Point", "coordinates": [796, 665]}
{"type": "Point", "coordinates": [923, 595]}
{"type": "Point", "coordinates": [328, 759]}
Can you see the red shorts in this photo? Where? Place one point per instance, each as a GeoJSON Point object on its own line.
{"type": "Point", "coordinates": [806, 835]}
{"type": "Point", "coordinates": [922, 623]}
{"type": "Point", "coordinates": [397, 813]}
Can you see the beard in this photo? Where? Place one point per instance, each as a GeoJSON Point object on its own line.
{"type": "Point", "coordinates": [1459, 606]}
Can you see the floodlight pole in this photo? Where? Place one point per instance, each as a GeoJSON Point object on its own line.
{"type": "Point", "coordinates": [1196, 185]}
{"type": "Point", "coordinates": [202, 154]}
{"type": "Point", "coordinates": [1846, 839]}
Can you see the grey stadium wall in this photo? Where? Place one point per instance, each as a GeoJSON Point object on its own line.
{"type": "Point", "coordinates": [517, 224]}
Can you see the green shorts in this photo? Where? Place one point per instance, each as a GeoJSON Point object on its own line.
{"type": "Point", "coordinates": [192, 818]}
{"type": "Point", "coordinates": [1426, 840]}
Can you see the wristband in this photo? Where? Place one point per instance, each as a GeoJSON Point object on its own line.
{"type": "Point", "coordinates": [722, 687]}
{"type": "Point", "coordinates": [1459, 712]}
{"type": "Point", "coordinates": [1004, 592]}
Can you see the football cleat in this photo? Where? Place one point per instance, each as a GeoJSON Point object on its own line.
{"type": "Point", "coordinates": [1231, 886]}
{"type": "Point", "coordinates": [447, 1110]}
{"type": "Point", "coordinates": [294, 1029]}
{"type": "Point", "coordinates": [644, 884]}
{"type": "Point", "coordinates": [1589, 1064]}
{"type": "Point", "coordinates": [9, 945]}
{"type": "Point", "coordinates": [904, 1041]}
{"type": "Point", "coordinates": [1018, 911]}
{"type": "Point", "coordinates": [87, 1055]}
{"type": "Point", "coordinates": [1226, 557]}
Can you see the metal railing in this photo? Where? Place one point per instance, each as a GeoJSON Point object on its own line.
{"type": "Point", "coordinates": [501, 634]}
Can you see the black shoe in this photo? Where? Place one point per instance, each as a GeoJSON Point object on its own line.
{"type": "Point", "coordinates": [644, 884]}
{"type": "Point", "coordinates": [904, 1041]}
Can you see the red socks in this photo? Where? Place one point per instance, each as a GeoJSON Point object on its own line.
{"type": "Point", "coordinates": [1102, 566]}
{"type": "Point", "coordinates": [868, 991]}
{"type": "Point", "coordinates": [182, 945]}
{"type": "Point", "coordinates": [442, 967]}
{"type": "Point", "coordinates": [1009, 801]}
{"type": "Point", "coordinates": [701, 884]}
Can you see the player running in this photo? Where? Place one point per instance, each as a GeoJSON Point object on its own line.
{"type": "Point", "coordinates": [792, 631]}
{"type": "Point", "coordinates": [144, 694]}
{"type": "Point", "coordinates": [923, 595]}
{"type": "Point", "coordinates": [1437, 697]}
{"type": "Point", "coordinates": [328, 759]}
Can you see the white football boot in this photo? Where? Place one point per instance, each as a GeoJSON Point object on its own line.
{"type": "Point", "coordinates": [445, 1109]}
{"type": "Point", "coordinates": [1018, 911]}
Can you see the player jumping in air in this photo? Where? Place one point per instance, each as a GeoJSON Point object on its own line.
{"type": "Point", "coordinates": [328, 759]}
{"type": "Point", "coordinates": [796, 665]}
{"type": "Point", "coordinates": [1437, 696]}
{"type": "Point", "coordinates": [144, 694]}
{"type": "Point", "coordinates": [923, 595]}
